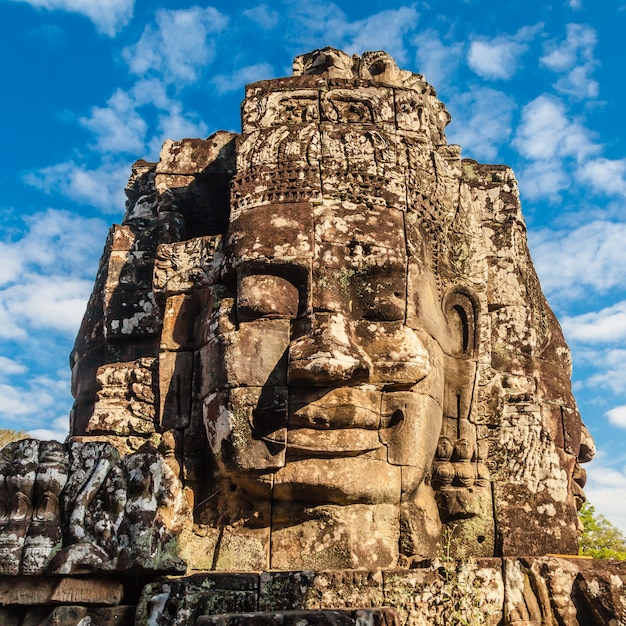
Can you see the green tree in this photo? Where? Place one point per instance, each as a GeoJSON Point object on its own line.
{"type": "Point", "coordinates": [600, 539]}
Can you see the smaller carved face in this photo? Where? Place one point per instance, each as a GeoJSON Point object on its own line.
{"type": "Point", "coordinates": [463, 450]}
{"type": "Point", "coordinates": [444, 448]}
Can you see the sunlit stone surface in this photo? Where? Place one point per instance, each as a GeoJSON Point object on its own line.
{"type": "Point", "coordinates": [319, 346]}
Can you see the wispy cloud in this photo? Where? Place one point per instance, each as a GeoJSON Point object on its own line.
{"type": "Point", "coordinates": [316, 24]}
{"type": "Point", "coordinates": [578, 46]}
{"type": "Point", "coordinates": [121, 127]}
{"type": "Point", "coordinates": [47, 270]}
{"type": "Point", "coordinates": [545, 132]}
{"type": "Point", "coordinates": [481, 122]}
{"type": "Point", "coordinates": [47, 274]}
{"type": "Point", "coordinates": [382, 31]}
{"type": "Point", "coordinates": [34, 402]}
{"type": "Point", "coordinates": [52, 301]}
{"type": "Point", "coordinates": [263, 16]}
{"type": "Point", "coordinates": [16, 402]}
{"type": "Point", "coordinates": [605, 326]}
{"type": "Point", "coordinates": [101, 187]}
{"type": "Point", "coordinates": [10, 367]}
{"type": "Point", "coordinates": [617, 416]}
{"type": "Point", "coordinates": [553, 144]}
{"type": "Point", "coordinates": [574, 58]}
{"type": "Point", "coordinates": [59, 431]}
{"type": "Point", "coordinates": [240, 77]}
{"type": "Point", "coordinates": [589, 257]}
{"type": "Point", "coordinates": [606, 176]}
{"type": "Point", "coordinates": [544, 179]}
{"type": "Point", "coordinates": [610, 368]}
{"type": "Point", "coordinates": [179, 46]}
{"type": "Point", "coordinates": [109, 16]}
{"type": "Point", "coordinates": [437, 61]}
{"type": "Point", "coordinates": [606, 487]}
{"type": "Point", "coordinates": [118, 127]}
{"type": "Point", "coordinates": [52, 240]}
{"type": "Point", "coordinates": [498, 58]}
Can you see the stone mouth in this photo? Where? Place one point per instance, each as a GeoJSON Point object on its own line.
{"type": "Point", "coordinates": [325, 443]}
{"type": "Point", "coordinates": [332, 443]}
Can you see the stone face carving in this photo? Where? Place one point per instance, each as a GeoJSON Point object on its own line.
{"type": "Point", "coordinates": [343, 345]}
{"type": "Point", "coordinates": [328, 332]}
{"type": "Point", "coordinates": [318, 348]}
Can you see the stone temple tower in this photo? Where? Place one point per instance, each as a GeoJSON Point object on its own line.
{"type": "Point", "coordinates": [316, 346]}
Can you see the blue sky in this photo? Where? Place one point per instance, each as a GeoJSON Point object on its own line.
{"type": "Point", "coordinates": [89, 87]}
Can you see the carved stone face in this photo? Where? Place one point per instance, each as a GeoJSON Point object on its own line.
{"type": "Point", "coordinates": [316, 378]}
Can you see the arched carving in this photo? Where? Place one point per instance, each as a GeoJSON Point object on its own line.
{"type": "Point", "coordinates": [461, 311]}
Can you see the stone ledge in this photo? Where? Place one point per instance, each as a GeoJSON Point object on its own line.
{"type": "Point", "coordinates": [32, 590]}
{"type": "Point", "coordinates": [382, 616]}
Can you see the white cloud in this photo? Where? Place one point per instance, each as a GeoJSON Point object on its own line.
{"type": "Point", "coordinates": [545, 132]}
{"type": "Point", "coordinates": [54, 241]}
{"type": "Point", "coordinates": [606, 176]}
{"type": "Point", "coordinates": [606, 490]}
{"type": "Point", "coordinates": [118, 127]}
{"type": "Point", "coordinates": [242, 76]}
{"type": "Point", "coordinates": [121, 128]}
{"type": "Point", "coordinates": [101, 187]}
{"type": "Point", "coordinates": [9, 367]}
{"type": "Point", "coordinates": [578, 83]}
{"type": "Point", "coordinates": [570, 263]}
{"type": "Point", "coordinates": [604, 326]}
{"type": "Point", "coordinates": [109, 16]}
{"type": "Point", "coordinates": [611, 366]}
{"type": "Point", "coordinates": [481, 122]}
{"type": "Point", "coordinates": [59, 431]}
{"type": "Point", "coordinates": [498, 58]}
{"type": "Point", "coordinates": [50, 301]}
{"type": "Point", "coordinates": [436, 61]}
{"type": "Point", "coordinates": [16, 402]}
{"type": "Point", "coordinates": [575, 4]}
{"type": "Point", "coordinates": [9, 327]}
{"type": "Point", "coordinates": [263, 16]}
{"type": "Point", "coordinates": [316, 24]}
{"type": "Point", "coordinates": [51, 276]}
{"type": "Point", "coordinates": [578, 46]}
{"type": "Point", "coordinates": [617, 416]}
{"type": "Point", "coordinates": [575, 58]}
{"type": "Point", "coordinates": [179, 47]}
{"type": "Point", "coordinates": [544, 179]}
{"type": "Point", "coordinates": [549, 139]}
{"type": "Point", "coordinates": [382, 31]}
{"type": "Point", "coordinates": [36, 403]}
{"type": "Point", "coordinates": [175, 124]}
{"type": "Point", "coordinates": [605, 369]}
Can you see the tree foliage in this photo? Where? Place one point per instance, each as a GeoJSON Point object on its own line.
{"type": "Point", "coordinates": [600, 539]}
{"type": "Point", "coordinates": [7, 436]}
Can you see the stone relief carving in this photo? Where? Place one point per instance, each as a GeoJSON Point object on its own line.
{"type": "Point", "coordinates": [83, 508]}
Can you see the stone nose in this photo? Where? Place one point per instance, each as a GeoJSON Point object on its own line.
{"type": "Point", "coordinates": [328, 353]}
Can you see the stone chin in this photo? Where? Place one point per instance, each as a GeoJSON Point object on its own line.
{"type": "Point", "coordinates": [342, 481]}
